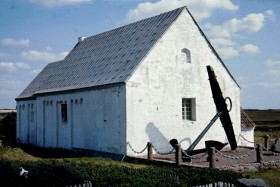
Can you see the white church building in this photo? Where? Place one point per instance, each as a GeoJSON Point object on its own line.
{"type": "Point", "coordinates": [143, 82]}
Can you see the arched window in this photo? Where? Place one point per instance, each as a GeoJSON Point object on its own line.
{"type": "Point", "coordinates": [186, 55]}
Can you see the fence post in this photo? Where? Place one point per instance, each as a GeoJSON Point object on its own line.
{"type": "Point", "coordinates": [212, 157]}
{"type": "Point", "coordinates": [178, 155]}
{"type": "Point", "coordinates": [266, 143]}
{"type": "Point", "coordinates": [259, 153]}
{"type": "Point", "coordinates": [150, 151]}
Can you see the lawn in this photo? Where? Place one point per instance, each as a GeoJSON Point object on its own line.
{"type": "Point", "coordinates": [270, 176]}
{"type": "Point", "coordinates": [264, 116]}
{"type": "Point", "coordinates": [272, 131]}
{"type": "Point", "coordinates": [267, 123]}
{"type": "Point", "coordinates": [60, 168]}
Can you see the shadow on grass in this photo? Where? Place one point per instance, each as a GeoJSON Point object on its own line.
{"type": "Point", "coordinates": [48, 152]}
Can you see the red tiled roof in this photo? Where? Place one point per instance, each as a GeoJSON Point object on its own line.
{"type": "Point", "coordinates": [246, 121]}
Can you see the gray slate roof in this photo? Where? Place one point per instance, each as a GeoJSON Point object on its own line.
{"type": "Point", "coordinates": [106, 58]}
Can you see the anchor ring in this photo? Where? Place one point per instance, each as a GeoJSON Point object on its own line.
{"type": "Point", "coordinates": [230, 103]}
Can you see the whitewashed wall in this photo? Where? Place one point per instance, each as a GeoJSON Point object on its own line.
{"type": "Point", "coordinates": [26, 115]}
{"type": "Point", "coordinates": [246, 137]}
{"type": "Point", "coordinates": [147, 108]}
{"type": "Point", "coordinates": [156, 89]}
{"type": "Point", "coordinates": [96, 120]}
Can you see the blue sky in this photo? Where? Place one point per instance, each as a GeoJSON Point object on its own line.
{"type": "Point", "coordinates": [245, 33]}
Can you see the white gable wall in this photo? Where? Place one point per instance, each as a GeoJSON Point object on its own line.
{"type": "Point", "coordinates": [155, 91]}
{"type": "Point", "coordinates": [96, 120]}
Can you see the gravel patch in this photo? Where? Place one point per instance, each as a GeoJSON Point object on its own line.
{"type": "Point", "coordinates": [242, 159]}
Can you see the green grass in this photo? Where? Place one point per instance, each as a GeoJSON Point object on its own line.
{"type": "Point", "coordinates": [262, 130]}
{"type": "Point", "coordinates": [16, 154]}
{"type": "Point", "coordinates": [270, 176]}
{"type": "Point", "coordinates": [264, 116]}
{"type": "Point", "coordinates": [59, 171]}
{"type": "Point", "coordinates": [267, 123]}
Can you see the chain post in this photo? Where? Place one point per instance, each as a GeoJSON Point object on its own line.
{"type": "Point", "coordinates": [178, 155]}
{"type": "Point", "coordinates": [266, 142]}
{"type": "Point", "coordinates": [150, 151]}
{"type": "Point", "coordinates": [212, 157]}
{"type": "Point", "coordinates": [259, 153]}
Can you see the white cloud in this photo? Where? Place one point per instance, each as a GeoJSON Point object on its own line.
{"type": "Point", "coordinates": [204, 8]}
{"type": "Point", "coordinates": [11, 66]}
{"type": "Point", "coordinates": [55, 3]}
{"type": "Point", "coordinates": [272, 62]}
{"type": "Point", "coordinates": [47, 56]}
{"type": "Point", "coordinates": [227, 52]}
{"type": "Point", "coordinates": [201, 9]}
{"type": "Point", "coordinates": [250, 24]}
{"type": "Point", "coordinates": [218, 42]}
{"type": "Point", "coordinates": [22, 65]}
{"type": "Point", "coordinates": [225, 37]}
{"type": "Point", "coordinates": [270, 14]}
{"type": "Point", "coordinates": [15, 43]}
{"type": "Point", "coordinates": [250, 49]}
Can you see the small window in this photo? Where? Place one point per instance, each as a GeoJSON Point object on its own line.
{"type": "Point", "coordinates": [186, 55]}
{"type": "Point", "coordinates": [188, 109]}
{"type": "Point", "coordinates": [64, 112]}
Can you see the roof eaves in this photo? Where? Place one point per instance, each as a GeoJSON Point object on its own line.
{"type": "Point", "coordinates": [246, 121]}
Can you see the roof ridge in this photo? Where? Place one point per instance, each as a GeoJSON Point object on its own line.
{"type": "Point", "coordinates": [142, 20]}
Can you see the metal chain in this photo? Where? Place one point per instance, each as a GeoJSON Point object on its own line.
{"type": "Point", "coordinates": [271, 163]}
{"type": "Point", "coordinates": [236, 158]}
{"type": "Point", "coordinates": [158, 152]}
{"type": "Point", "coordinates": [137, 152]}
{"type": "Point", "coordinates": [192, 157]}
{"type": "Point", "coordinates": [271, 152]}
{"type": "Point", "coordinates": [245, 139]}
